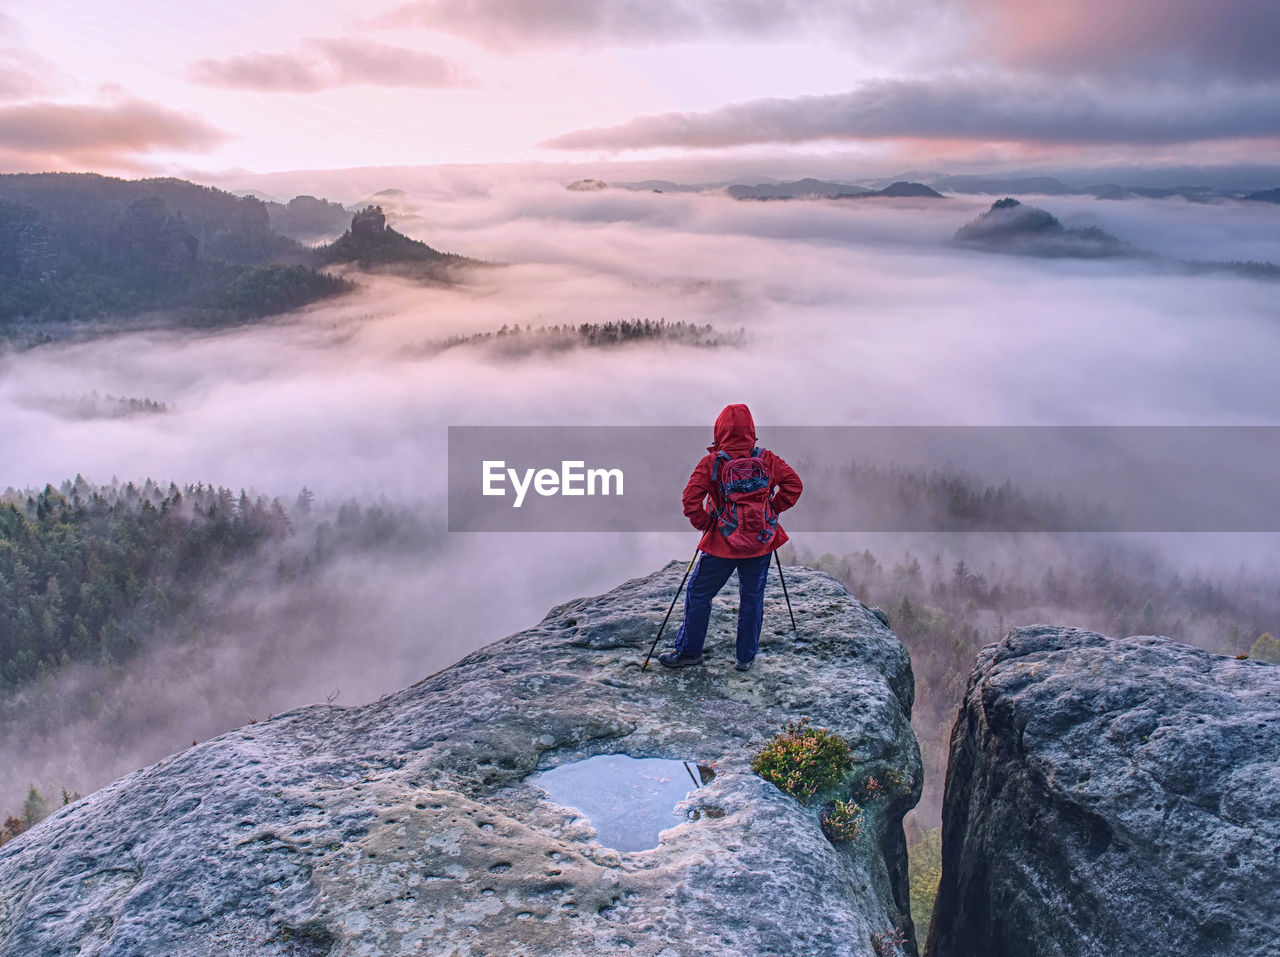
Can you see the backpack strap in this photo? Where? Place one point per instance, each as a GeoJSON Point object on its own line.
{"type": "Point", "coordinates": [722, 455]}
{"type": "Point", "coordinates": [715, 480]}
{"type": "Point", "coordinates": [729, 519]}
{"type": "Point", "coordinates": [770, 527]}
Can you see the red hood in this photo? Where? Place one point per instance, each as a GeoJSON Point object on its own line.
{"type": "Point", "coordinates": [735, 431]}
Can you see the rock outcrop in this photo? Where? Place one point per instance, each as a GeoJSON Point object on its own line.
{"type": "Point", "coordinates": [27, 250]}
{"type": "Point", "coordinates": [151, 238]}
{"type": "Point", "coordinates": [369, 222]}
{"type": "Point", "coordinates": [1111, 797]}
{"type": "Point", "coordinates": [1013, 227]}
{"type": "Point", "coordinates": [373, 245]}
{"type": "Point", "coordinates": [407, 825]}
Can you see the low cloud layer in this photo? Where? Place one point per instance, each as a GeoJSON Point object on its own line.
{"type": "Point", "coordinates": [987, 109]}
{"type": "Point", "coordinates": [855, 313]}
{"type": "Point", "coordinates": [328, 63]}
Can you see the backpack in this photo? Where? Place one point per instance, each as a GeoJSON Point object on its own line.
{"type": "Point", "coordinates": [745, 516]}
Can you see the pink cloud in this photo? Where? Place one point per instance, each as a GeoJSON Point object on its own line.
{"type": "Point", "coordinates": [17, 80]}
{"type": "Point", "coordinates": [328, 63]}
{"type": "Point", "coordinates": [1233, 37]}
{"type": "Point", "coordinates": [22, 73]}
{"type": "Point", "coordinates": [274, 72]}
{"type": "Point", "coordinates": [53, 134]}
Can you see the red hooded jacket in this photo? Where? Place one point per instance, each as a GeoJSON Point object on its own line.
{"type": "Point", "coordinates": [735, 433]}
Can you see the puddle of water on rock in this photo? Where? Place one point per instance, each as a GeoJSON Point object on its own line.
{"type": "Point", "coordinates": [627, 800]}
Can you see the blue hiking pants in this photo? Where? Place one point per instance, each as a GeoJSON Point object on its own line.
{"type": "Point", "coordinates": [708, 578]}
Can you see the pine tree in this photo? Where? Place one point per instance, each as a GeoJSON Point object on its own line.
{"type": "Point", "coordinates": [1266, 648]}
{"type": "Point", "coordinates": [35, 808]}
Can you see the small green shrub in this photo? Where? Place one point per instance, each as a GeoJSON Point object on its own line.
{"type": "Point", "coordinates": [898, 781]}
{"type": "Point", "coordinates": [893, 782]}
{"type": "Point", "coordinates": [803, 760]}
{"type": "Point", "coordinates": [843, 821]}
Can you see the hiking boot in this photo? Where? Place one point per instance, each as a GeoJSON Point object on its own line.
{"type": "Point", "coordinates": [742, 666]}
{"type": "Point", "coordinates": [674, 659]}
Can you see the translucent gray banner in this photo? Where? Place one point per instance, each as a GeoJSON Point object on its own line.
{"type": "Point", "coordinates": [879, 478]}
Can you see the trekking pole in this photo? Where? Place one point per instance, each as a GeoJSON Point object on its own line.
{"type": "Point", "coordinates": [688, 568]}
{"type": "Point", "coordinates": [785, 595]}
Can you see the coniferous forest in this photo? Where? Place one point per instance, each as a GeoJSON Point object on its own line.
{"type": "Point", "coordinates": [94, 579]}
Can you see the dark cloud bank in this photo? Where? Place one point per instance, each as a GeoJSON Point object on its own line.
{"type": "Point", "coordinates": [961, 108]}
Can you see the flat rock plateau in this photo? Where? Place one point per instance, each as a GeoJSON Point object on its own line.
{"type": "Point", "coordinates": [406, 826]}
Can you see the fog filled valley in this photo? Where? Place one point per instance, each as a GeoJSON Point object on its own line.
{"type": "Point", "coordinates": [269, 495]}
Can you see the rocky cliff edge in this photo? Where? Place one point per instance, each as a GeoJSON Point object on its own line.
{"type": "Point", "coordinates": [407, 826]}
{"type": "Point", "coordinates": [1111, 797]}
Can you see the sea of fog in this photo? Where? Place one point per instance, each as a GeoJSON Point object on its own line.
{"type": "Point", "coordinates": [854, 312]}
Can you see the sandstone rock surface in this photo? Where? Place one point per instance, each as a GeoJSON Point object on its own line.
{"type": "Point", "coordinates": [406, 825]}
{"type": "Point", "coordinates": [1111, 797]}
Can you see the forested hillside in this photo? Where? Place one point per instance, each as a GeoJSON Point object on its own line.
{"type": "Point", "coordinates": [117, 600]}
{"type": "Point", "coordinates": [88, 576]}
{"type": "Point", "coordinates": [96, 573]}
{"type": "Point", "coordinates": [90, 248]}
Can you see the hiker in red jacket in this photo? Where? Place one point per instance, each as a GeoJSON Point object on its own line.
{"type": "Point", "coordinates": [733, 498]}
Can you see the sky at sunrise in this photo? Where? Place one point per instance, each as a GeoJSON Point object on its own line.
{"type": "Point", "coordinates": [172, 87]}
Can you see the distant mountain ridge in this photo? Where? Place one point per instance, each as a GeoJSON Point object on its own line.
{"type": "Point", "coordinates": [799, 189]}
{"type": "Point", "coordinates": [1040, 185]}
{"type": "Point", "coordinates": [903, 189]}
{"type": "Point", "coordinates": [994, 184]}
{"type": "Point", "coordinates": [84, 208]}
{"type": "Point", "coordinates": [820, 189]}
